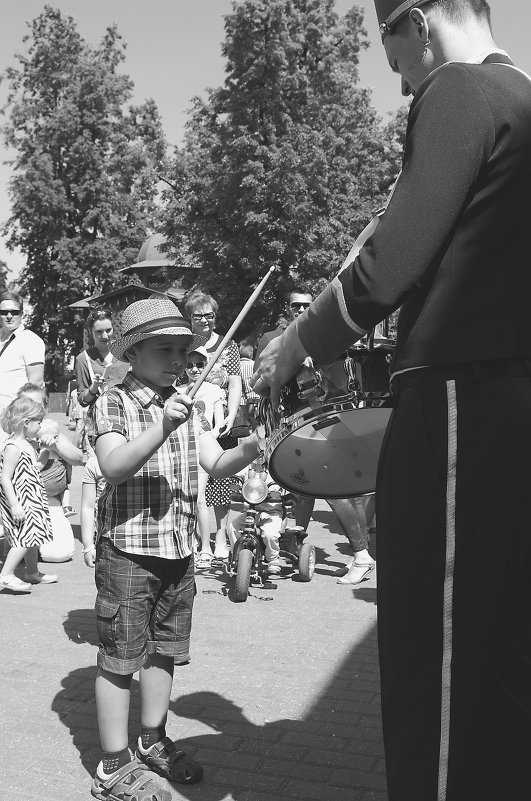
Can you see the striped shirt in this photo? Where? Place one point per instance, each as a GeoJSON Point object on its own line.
{"type": "Point", "coordinates": [152, 513]}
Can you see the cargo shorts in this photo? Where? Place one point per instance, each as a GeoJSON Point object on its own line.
{"type": "Point", "coordinates": [143, 606]}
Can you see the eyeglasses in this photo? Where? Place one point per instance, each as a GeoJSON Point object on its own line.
{"type": "Point", "coordinates": [12, 312]}
{"type": "Point", "coordinates": [297, 306]}
{"type": "Point", "coordinates": [209, 316]}
{"type": "Point", "coordinates": [199, 365]}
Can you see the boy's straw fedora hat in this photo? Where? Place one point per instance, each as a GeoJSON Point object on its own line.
{"type": "Point", "coordinates": [151, 318]}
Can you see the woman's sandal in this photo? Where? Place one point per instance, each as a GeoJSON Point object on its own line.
{"type": "Point", "coordinates": [176, 766]}
{"type": "Point", "coordinates": [132, 782]}
{"type": "Point", "coordinates": [204, 561]}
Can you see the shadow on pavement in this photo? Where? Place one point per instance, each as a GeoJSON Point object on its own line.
{"type": "Point", "coordinates": [80, 627]}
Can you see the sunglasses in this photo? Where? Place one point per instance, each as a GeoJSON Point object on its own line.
{"type": "Point", "coordinates": [12, 312]}
{"type": "Point", "coordinates": [199, 365]}
{"type": "Point", "coordinates": [295, 306]}
{"type": "Point", "coordinates": [209, 316]}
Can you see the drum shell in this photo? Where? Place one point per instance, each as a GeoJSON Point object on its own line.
{"type": "Point", "coordinates": [331, 452]}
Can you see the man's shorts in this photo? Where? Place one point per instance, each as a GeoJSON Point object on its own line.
{"type": "Point", "coordinates": [144, 606]}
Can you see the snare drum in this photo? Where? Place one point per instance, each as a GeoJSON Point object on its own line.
{"type": "Point", "coordinates": [321, 443]}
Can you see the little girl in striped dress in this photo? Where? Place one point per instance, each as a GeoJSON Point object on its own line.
{"type": "Point", "coordinates": [23, 500]}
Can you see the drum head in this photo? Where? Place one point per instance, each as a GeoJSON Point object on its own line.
{"type": "Point", "coordinates": [332, 455]}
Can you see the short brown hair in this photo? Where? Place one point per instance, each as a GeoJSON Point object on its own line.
{"type": "Point", "coordinates": [199, 298]}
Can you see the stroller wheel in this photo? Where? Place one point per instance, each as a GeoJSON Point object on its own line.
{"type": "Point", "coordinates": [307, 562]}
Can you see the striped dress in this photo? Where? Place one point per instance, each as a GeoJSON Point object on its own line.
{"type": "Point", "coordinates": [36, 527]}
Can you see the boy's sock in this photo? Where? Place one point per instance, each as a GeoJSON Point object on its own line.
{"type": "Point", "coordinates": [112, 762]}
{"type": "Point", "coordinates": [150, 736]}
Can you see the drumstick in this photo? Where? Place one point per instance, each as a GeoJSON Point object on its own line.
{"type": "Point", "coordinates": [236, 324]}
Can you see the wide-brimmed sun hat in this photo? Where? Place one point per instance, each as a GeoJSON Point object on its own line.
{"type": "Point", "coordinates": [150, 318]}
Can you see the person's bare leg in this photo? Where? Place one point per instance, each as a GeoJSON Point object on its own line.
{"type": "Point", "coordinates": [31, 561]}
{"type": "Point", "coordinates": [13, 559]}
{"type": "Point", "coordinates": [156, 679]}
{"type": "Point", "coordinates": [221, 513]}
{"type": "Point", "coordinates": [203, 515]}
{"type": "Point", "coordinates": [113, 693]}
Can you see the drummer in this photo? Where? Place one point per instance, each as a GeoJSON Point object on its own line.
{"type": "Point", "coordinates": [350, 512]}
{"type": "Point", "coordinates": [452, 249]}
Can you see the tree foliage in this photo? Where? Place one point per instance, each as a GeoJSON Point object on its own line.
{"type": "Point", "coordinates": [285, 163]}
{"type": "Point", "coordinates": [83, 190]}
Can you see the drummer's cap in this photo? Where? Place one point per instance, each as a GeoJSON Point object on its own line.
{"type": "Point", "coordinates": [390, 12]}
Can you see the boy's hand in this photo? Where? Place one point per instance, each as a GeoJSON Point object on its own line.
{"type": "Point", "coordinates": [90, 557]}
{"type": "Point", "coordinates": [177, 410]}
{"type": "Point", "coordinates": [18, 513]}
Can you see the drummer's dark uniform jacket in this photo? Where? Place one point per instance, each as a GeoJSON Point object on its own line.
{"type": "Point", "coordinates": [453, 250]}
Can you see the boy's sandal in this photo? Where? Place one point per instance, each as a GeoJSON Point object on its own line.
{"type": "Point", "coordinates": [132, 782]}
{"type": "Point", "coordinates": [164, 758]}
{"type": "Point", "coordinates": [204, 561]}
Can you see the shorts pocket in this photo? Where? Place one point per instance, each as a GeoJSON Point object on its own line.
{"type": "Point", "coordinates": [107, 609]}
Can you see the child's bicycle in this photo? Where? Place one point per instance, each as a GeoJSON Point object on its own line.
{"type": "Point", "coordinates": [247, 559]}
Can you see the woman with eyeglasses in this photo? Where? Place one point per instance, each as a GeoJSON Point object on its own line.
{"type": "Point", "coordinates": [21, 351]}
{"type": "Point", "coordinates": [92, 365]}
{"type": "Point", "coordinates": [201, 310]}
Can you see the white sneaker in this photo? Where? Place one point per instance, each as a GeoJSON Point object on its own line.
{"type": "Point", "coordinates": [11, 582]}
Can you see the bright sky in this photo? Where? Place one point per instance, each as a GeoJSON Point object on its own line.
{"type": "Point", "coordinates": [174, 53]}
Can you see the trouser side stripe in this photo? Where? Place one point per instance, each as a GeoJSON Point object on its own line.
{"type": "Point", "coordinates": [446, 675]}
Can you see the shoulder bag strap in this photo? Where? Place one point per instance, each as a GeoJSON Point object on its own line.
{"type": "Point", "coordinates": [6, 344]}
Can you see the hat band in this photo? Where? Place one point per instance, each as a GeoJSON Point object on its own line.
{"type": "Point", "coordinates": [394, 16]}
{"type": "Point", "coordinates": [157, 324]}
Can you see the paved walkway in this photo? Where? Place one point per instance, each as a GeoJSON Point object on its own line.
{"type": "Point", "coordinates": [280, 700]}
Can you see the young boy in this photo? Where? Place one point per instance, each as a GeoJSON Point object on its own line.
{"type": "Point", "coordinates": [148, 442]}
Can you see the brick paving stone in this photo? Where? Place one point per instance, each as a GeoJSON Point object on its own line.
{"type": "Point", "coordinates": [280, 700]}
{"type": "Point", "coordinates": [284, 767]}
{"type": "Point", "coordinates": [303, 790]}
{"type": "Point", "coordinates": [355, 778]}
{"type": "Point", "coordinates": [345, 760]}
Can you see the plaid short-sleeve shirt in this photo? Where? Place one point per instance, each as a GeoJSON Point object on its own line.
{"type": "Point", "coordinates": [152, 513]}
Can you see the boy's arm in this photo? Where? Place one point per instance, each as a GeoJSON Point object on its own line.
{"type": "Point", "coordinates": [67, 451]}
{"type": "Point", "coordinates": [88, 502]}
{"type": "Point", "coordinates": [120, 459]}
{"type": "Point", "coordinates": [222, 464]}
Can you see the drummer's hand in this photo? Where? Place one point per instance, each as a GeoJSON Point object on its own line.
{"type": "Point", "coordinates": [277, 363]}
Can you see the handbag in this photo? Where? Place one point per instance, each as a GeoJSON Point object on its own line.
{"type": "Point", "coordinates": [53, 477]}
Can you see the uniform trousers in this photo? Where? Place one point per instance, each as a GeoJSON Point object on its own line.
{"type": "Point", "coordinates": [454, 494]}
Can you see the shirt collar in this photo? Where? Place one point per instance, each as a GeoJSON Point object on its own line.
{"type": "Point", "coordinates": [479, 58]}
{"type": "Point", "coordinates": [145, 395]}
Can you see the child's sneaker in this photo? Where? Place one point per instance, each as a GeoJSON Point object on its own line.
{"type": "Point", "coordinates": [164, 758]}
{"type": "Point", "coordinates": [273, 568]}
{"type": "Point", "coordinates": [68, 511]}
{"type": "Point", "coordinates": [130, 781]}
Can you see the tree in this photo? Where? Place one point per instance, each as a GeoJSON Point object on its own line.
{"type": "Point", "coordinates": [3, 275]}
{"type": "Point", "coordinates": [83, 190]}
{"type": "Point", "coordinates": [286, 162]}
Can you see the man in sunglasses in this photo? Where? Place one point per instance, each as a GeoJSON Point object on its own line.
{"type": "Point", "coordinates": [298, 301]}
{"type": "Point", "coordinates": [21, 351]}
